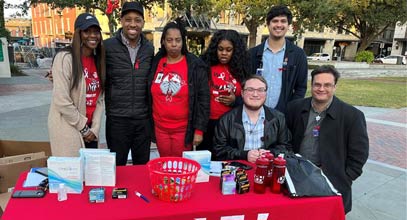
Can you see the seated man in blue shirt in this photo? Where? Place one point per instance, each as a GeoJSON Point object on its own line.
{"type": "Point", "coordinates": [251, 129]}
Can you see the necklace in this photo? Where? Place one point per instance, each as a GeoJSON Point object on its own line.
{"type": "Point", "coordinates": [318, 117]}
{"type": "Point", "coordinates": [252, 128]}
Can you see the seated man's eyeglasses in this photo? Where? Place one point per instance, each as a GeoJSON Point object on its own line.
{"type": "Point", "coordinates": [326, 85]}
{"type": "Point", "coordinates": [250, 90]}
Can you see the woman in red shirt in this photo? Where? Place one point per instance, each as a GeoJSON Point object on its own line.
{"type": "Point", "coordinates": [227, 57]}
{"type": "Point", "coordinates": [179, 94]}
{"type": "Point", "coordinates": [77, 98]}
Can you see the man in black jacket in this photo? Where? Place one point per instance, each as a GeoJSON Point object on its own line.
{"type": "Point", "coordinates": [280, 62]}
{"type": "Point", "coordinates": [330, 133]}
{"type": "Point", "coordinates": [128, 62]}
{"type": "Point", "coordinates": [249, 130]}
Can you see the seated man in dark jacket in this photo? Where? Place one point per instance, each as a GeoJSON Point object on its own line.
{"type": "Point", "coordinates": [247, 131]}
{"type": "Point", "coordinates": [329, 132]}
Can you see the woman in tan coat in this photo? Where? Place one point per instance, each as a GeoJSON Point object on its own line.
{"type": "Point", "coordinates": [77, 98]}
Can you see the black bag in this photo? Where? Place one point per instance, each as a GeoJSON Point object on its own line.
{"type": "Point", "coordinates": [304, 179]}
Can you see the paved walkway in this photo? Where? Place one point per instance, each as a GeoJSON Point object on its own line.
{"type": "Point", "coordinates": [380, 193]}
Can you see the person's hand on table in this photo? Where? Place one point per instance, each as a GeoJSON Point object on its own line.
{"type": "Point", "coordinates": [263, 151]}
{"type": "Point", "coordinates": [253, 155]}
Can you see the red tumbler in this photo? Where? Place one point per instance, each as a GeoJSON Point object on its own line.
{"type": "Point", "coordinates": [260, 175]}
{"type": "Point", "coordinates": [278, 176]}
{"type": "Point", "coordinates": [270, 158]}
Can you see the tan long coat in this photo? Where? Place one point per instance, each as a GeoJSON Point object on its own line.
{"type": "Point", "coordinates": [67, 114]}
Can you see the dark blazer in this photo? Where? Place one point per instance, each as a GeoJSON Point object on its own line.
{"type": "Point", "coordinates": [343, 142]}
{"type": "Point", "coordinates": [198, 91]}
{"type": "Point", "coordinates": [230, 135]}
{"type": "Point", "coordinates": [295, 72]}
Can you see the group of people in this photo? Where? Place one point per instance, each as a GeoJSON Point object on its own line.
{"type": "Point", "coordinates": [234, 102]}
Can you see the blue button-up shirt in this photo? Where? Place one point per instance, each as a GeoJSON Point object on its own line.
{"type": "Point", "coordinates": [272, 72]}
{"type": "Point", "coordinates": [253, 132]}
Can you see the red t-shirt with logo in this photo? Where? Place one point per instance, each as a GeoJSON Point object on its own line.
{"type": "Point", "coordinates": [92, 83]}
{"type": "Point", "coordinates": [169, 91]}
{"type": "Point", "coordinates": [221, 83]}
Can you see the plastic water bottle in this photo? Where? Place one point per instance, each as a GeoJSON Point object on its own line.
{"type": "Point", "coordinates": [270, 157]}
{"type": "Point", "coordinates": [62, 195]}
{"type": "Point", "coordinates": [278, 175]}
{"type": "Point", "coordinates": [260, 175]}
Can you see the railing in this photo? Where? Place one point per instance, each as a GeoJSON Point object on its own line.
{"type": "Point", "coordinates": [30, 54]}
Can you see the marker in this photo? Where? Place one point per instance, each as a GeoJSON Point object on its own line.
{"type": "Point", "coordinates": [141, 196]}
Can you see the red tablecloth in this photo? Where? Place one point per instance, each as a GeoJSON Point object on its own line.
{"type": "Point", "coordinates": [207, 202]}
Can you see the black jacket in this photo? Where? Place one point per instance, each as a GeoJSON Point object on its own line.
{"type": "Point", "coordinates": [295, 72]}
{"type": "Point", "coordinates": [198, 91]}
{"type": "Point", "coordinates": [229, 137]}
{"type": "Point", "coordinates": [126, 84]}
{"type": "Point", "coordinates": [343, 142]}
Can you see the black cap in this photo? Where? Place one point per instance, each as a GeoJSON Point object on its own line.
{"type": "Point", "coordinates": [132, 6]}
{"type": "Point", "coordinates": [85, 20]}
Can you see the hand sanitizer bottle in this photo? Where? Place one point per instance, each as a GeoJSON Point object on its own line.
{"type": "Point", "coordinates": [62, 195]}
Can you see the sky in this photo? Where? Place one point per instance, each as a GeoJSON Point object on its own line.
{"type": "Point", "coordinates": [9, 12]}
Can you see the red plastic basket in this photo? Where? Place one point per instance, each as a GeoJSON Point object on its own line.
{"type": "Point", "coordinates": [172, 178]}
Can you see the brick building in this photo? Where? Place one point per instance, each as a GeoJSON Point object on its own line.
{"type": "Point", "coordinates": [52, 27]}
{"type": "Point", "coordinates": [19, 28]}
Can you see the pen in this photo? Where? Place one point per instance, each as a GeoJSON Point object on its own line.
{"type": "Point", "coordinates": [141, 196]}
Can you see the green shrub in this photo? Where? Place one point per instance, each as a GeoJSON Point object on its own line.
{"type": "Point", "coordinates": [314, 66]}
{"type": "Point", "coordinates": [364, 56]}
{"type": "Point", "coordinates": [16, 71]}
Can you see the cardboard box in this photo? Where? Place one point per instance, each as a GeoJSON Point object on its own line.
{"type": "Point", "coordinates": [203, 157]}
{"type": "Point", "coordinates": [19, 156]}
{"type": "Point", "coordinates": [23, 147]}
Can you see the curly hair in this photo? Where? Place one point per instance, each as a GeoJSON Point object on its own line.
{"type": "Point", "coordinates": [238, 63]}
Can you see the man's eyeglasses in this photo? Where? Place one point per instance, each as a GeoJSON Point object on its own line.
{"type": "Point", "coordinates": [325, 85]}
{"type": "Point", "coordinates": [260, 91]}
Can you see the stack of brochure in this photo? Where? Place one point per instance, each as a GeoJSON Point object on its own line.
{"type": "Point", "coordinates": [99, 167]}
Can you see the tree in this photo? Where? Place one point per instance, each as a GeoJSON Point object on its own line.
{"type": "Point", "coordinates": [182, 7]}
{"type": "Point", "coordinates": [3, 30]}
{"type": "Point", "coordinates": [254, 13]}
{"type": "Point", "coordinates": [88, 5]}
{"type": "Point", "coordinates": [364, 19]}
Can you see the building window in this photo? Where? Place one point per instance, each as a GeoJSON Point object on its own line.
{"type": "Point", "coordinates": [224, 17]}
{"type": "Point", "coordinates": [62, 26]}
{"type": "Point", "coordinates": [50, 27]}
{"type": "Point", "coordinates": [45, 27]}
{"type": "Point", "coordinates": [238, 19]}
{"type": "Point", "coordinates": [68, 24]}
